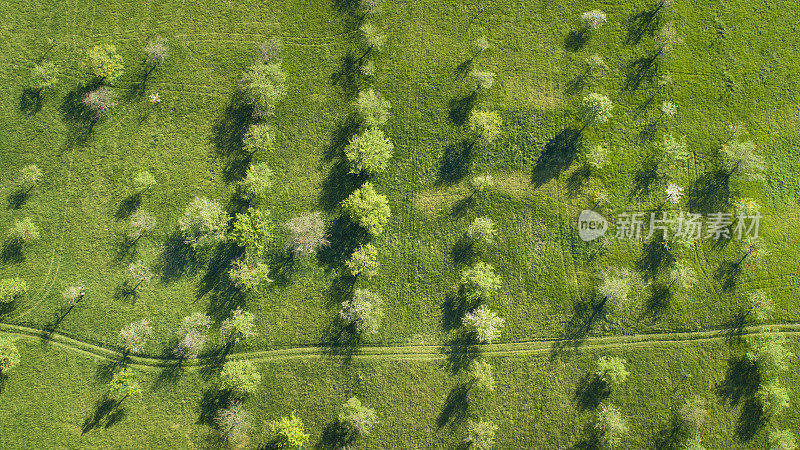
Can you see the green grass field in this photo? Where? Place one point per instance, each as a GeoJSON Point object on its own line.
{"type": "Point", "coordinates": [736, 68]}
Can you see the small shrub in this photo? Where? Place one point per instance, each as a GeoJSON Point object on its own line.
{"type": "Point", "coordinates": [669, 109]}
{"type": "Point", "coordinates": [740, 159]}
{"type": "Point", "coordinates": [23, 231]}
{"type": "Point", "coordinates": [239, 325]}
{"type": "Point", "coordinates": [666, 40]}
{"type": "Point", "coordinates": [693, 413]}
{"type": "Point", "coordinates": [479, 282]}
{"type": "Point", "coordinates": [232, 422]}
{"type": "Point", "coordinates": [73, 294]}
{"type": "Point", "coordinates": [481, 435]}
{"type": "Point", "coordinates": [369, 7]}
{"type": "Point", "coordinates": [367, 69]}
{"type": "Point", "coordinates": [143, 182]}
{"type": "Point", "coordinates": [141, 223]}
{"type": "Point", "coordinates": [372, 108]}
{"type": "Point", "coordinates": [363, 261]}
{"type": "Point", "coordinates": [192, 335]}
{"type": "Point", "coordinates": [99, 102]}
{"type": "Point", "coordinates": [594, 63]}
{"type": "Point", "coordinates": [9, 356]}
{"type": "Point", "coordinates": [593, 19]}
{"type": "Point", "coordinates": [481, 375]}
{"type": "Point", "coordinates": [369, 152]}
{"type": "Point", "coordinates": [134, 336]}
{"type": "Point", "coordinates": [615, 287]}
{"type": "Point", "coordinates": [240, 376]}
{"type": "Point", "coordinates": [362, 311]}
{"type": "Point", "coordinates": [44, 76]}
{"type": "Point", "coordinates": [12, 289]}
{"type": "Point", "coordinates": [595, 109]}
{"type": "Point", "coordinates": [203, 222]}
{"type": "Point", "coordinates": [28, 178]}
{"type": "Point", "coordinates": [761, 307]}
{"type": "Point", "coordinates": [287, 432]}
{"type": "Point", "coordinates": [482, 44]}
{"type": "Point", "coordinates": [356, 418]}
{"type": "Point", "coordinates": [248, 273]}
{"type": "Point", "coordinates": [257, 183]}
{"type": "Point", "coordinates": [480, 183]}
{"type": "Point", "coordinates": [482, 80]}
{"type": "Point", "coordinates": [263, 86]}
{"type": "Point", "coordinates": [123, 385]}
{"type": "Point", "coordinates": [682, 276]}
{"type": "Point", "coordinates": [485, 124]}
{"type": "Point", "coordinates": [773, 397]}
{"type": "Point", "coordinates": [595, 157]}
{"type": "Point", "coordinates": [674, 154]}
{"type": "Point", "coordinates": [609, 425]}
{"type": "Point", "coordinates": [481, 231]}
{"type": "Point", "coordinates": [105, 63]}
{"type": "Point", "coordinates": [484, 324]}
{"type": "Point", "coordinates": [746, 206]}
{"type": "Point", "coordinates": [156, 52]}
{"type": "Point", "coordinates": [769, 352]}
{"type": "Point", "coordinates": [371, 37]}
{"type": "Point", "coordinates": [307, 233]}
{"type": "Point", "coordinates": [139, 273]}
{"type": "Point", "coordinates": [368, 209]}
{"type": "Point", "coordinates": [611, 370]}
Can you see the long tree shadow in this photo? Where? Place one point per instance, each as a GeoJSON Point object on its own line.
{"type": "Point", "coordinates": [557, 155]}
{"type": "Point", "coordinates": [710, 192]}
{"type": "Point", "coordinates": [79, 120]}
{"type": "Point", "coordinates": [107, 412]}
{"type": "Point", "coordinates": [341, 137]}
{"type": "Point", "coordinates": [335, 436]}
{"type": "Point", "coordinates": [589, 439]}
{"type": "Point", "coordinates": [177, 258]}
{"type": "Point", "coordinates": [18, 197]}
{"type": "Point", "coordinates": [128, 205]}
{"type": "Point", "coordinates": [591, 391]}
{"type": "Point", "coordinates": [641, 24]}
{"type": "Point", "coordinates": [12, 252]}
{"type": "Point", "coordinates": [734, 328]}
{"type": "Point", "coordinates": [673, 436]}
{"type": "Point", "coordinates": [644, 178]}
{"type": "Point", "coordinates": [342, 339]}
{"type": "Point", "coordinates": [584, 316]}
{"type": "Point", "coordinates": [456, 406]}
{"type": "Point", "coordinates": [456, 162]}
{"type": "Point", "coordinates": [228, 133]}
{"type": "Point", "coordinates": [30, 101]}
{"type": "Point", "coordinates": [345, 237]}
{"type": "Point", "coordinates": [460, 350]}
{"type": "Point", "coordinates": [348, 76]}
{"type": "Point", "coordinates": [728, 273]}
{"type": "Point", "coordinates": [461, 107]}
{"type": "Point", "coordinates": [751, 419]}
{"type": "Point", "coordinates": [742, 379]}
{"type": "Point", "coordinates": [212, 401]}
{"type": "Point", "coordinates": [338, 184]}
{"type": "Point", "coordinates": [639, 70]}
{"type": "Point", "coordinates": [655, 255]}
{"type": "Point", "coordinates": [576, 39]}
{"type": "Point", "coordinates": [223, 295]}
{"type": "Point", "coordinates": [659, 300]}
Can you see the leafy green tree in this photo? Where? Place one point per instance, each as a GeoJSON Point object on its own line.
{"type": "Point", "coordinates": [252, 230]}
{"type": "Point", "coordinates": [482, 80]}
{"type": "Point", "coordinates": [372, 108]}
{"type": "Point", "coordinates": [363, 311]}
{"type": "Point", "coordinates": [192, 335]}
{"type": "Point", "coordinates": [694, 443]}
{"type": "Point", "coordinates": [740, 160]}
{"type": "Point", "coordinates": [481, 375]}
{"type": "Point", "coordinates": [371, 37]}
{"type": "Point", "coordinates": [615, 287]}
{"type": "Point", "coordinates": [746, 206]}
{"type": "Point", "coordinates": [156, 52]}
{"type": "Point", "coordinates": [595, 109]}
{"type": "Point", "coordinates": [12, 289]}
{"type": "Point", "coordinates": [368, 209]}
{"type": "Point", "coordinates": [9, 356]}
{"type": "Point", "coordinates": [141, 223]}
{"type": "Point", "coordinates": [595, 157]}
{"type": "Point", "coordinates": [238, 326]}
{"type": "Point", "coordinates": [482, 44]}
{"type": "Point", "coordinates": [307, 233]}
{"type": "Point", "coordinates": [666, 40]}
{"type": "Point", "coordinates": [480, 435]}
{"type": "Point", "coordinates": [484, 324]}
{"type": "Point", "coordinates": [44, 75]}
{"type": "Point", "coordinates": [263, 86]}
{"type": "Point", "coordinates": [773, 398]}
{"type": "Point", "coordinates": [356, 418]}
{"type": "Point", "coordinates": [240, 376]}
{"type": "Point", "coordinates": [609, 425]}
{"type": "Point", "coordinates": [482, 232]}
{"type": "Point", "coordinates": [768, 351]}
{"type": "Point", "coordinates": [134, 336]}
{"type": "Point", "coordinates": [73, 294]}
{"type": "Point", "coordinates": [782, 440]}
{"type": "Point", "coordinates": [249, 272]}
{"type": "Point", "coordinates": [99, 102]}
{"type": "Point", "coordinates": [123, 385]}
{"type": "Point", "coordinates": [369, 151]}
{"type": "Point", "coordinates": [754, 251]}
{"type": "Point", "coordinates": [203, 222]}
{"type": "Point", "coordinates": [485, 125]}
{"type": "Point", "coordinates": [257, 183]}
{"type": "Point", "coordinates": [479, 282]}
{"type": "Point", "coordinates": [369, 7]}
{"type": "Point", "coordinates": [287, 432]}
{"type": "Point", "coordinates": [23, 231]}
{"type": "Point", "coordinates": [143, 182]}
{"type": "Point", "coordinates": [674, 154]}
{"type": "Point", "coordinates": [611, 370]}
{"type": "Point", "coordinates": [761, 307]}
{"type": "Point", "coordinates": [594, 63]}
{"type": "Point", "coordinates": [260, 137]}
{"type": "Point", "coordinates": [105, 63]}
{"type": "Point", "coordinates": [363, 261]}
{"type": "Point", "coordinates": [481, 183]}
{"type": "Point", "coordinates": [682, 276]}
{"type": "Point", "coordinates": [669, 109]}
{"type": "Point", "coordinates": [233, 422]}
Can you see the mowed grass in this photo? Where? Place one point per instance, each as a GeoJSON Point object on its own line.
{"type": "Point", "coordinates": [539, 402]}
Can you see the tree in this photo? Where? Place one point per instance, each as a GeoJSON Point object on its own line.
{"type": "Point", "coordinates": [669, 109]}
{"type": "Point", "coordinates": [134, 336]}
{"type": "Point", "coordinates": [594, 63]}
{"type": "Point", "coordinates": [271, 50]}
{"type": "Point", "coordinates": [595, 109]}
{"type": "Point", "coordinates": [768, 351]}
{"type": "Point", "coordinates": [481, 375]}
{"type": "Point", "coordinates": [105, 63]}
{"type": "Point", "coordinates": [307, 233]}
{"type": "Point", "coordinates": [369, 7]}
{"type": "Point", "coordinates": [485, 124]}
{"type": "Point", "coordinates": [693, 413]}
{"type": "Point", "coordinates": [754, 251]}
{"type": "Point", "coordinates": [674, 155]}
{"type": "Point", "coordinates": [481, 231]}
{"type": "Point", "coordinates": [740, 159]}
{"type": "Point", "coordinates": [203, 222]}
{"type": "Point", "coordinates": [773, 398]}
{"type": "Point", "coordinates": [369, 151]}
{"type": "Point", "coordinates": [140, 274]}
{"type": "Point", "coordinates": [593, 19]}
{"type": "Point", "coordinates": [482, 44]}
{"type": "Point", "coordinates": [73, 294]}
{"type": "Point", "coordinates": [595, 157]}
{"type": "Point", "coordinates": [480, 183]}
{"type": "Point", "coordinates": [610, 425]}
{"type": "Point", "coordinates": [746, 206]}
{"type": "Point", "coordinates": [263, 86]}
{"type": "Point", "coordinates": [372, 108]}
{"type": "Point", "coordinates": [666, 40]}
{"type": "Point", "coordinates": [479, 282]}
{"type": "Point", "coordinates": [123, 385]}
{"type": "Point", "coordinates": [368, 209]}
{"type": "Point", "coordinates": [694, 443]}
{"type": "Point", "coordinates": [192, 335]}
{"type": "Point", "coordinates": [252, 230]}
{"type": "Point", "coordinates": [12, 289]}
{"type": "Point", "coordinates": [484, 324]}
{"type": "Point", "coordinates": [367, 68]}
{"type": "Point", "coordinates": [28, 178]}
{"type": "Point", "coordinates": [674, 194]}
{"type": "Point", "coordinates": [9, 356]}
{"type": "Point", "coordinates": [143, 182]}
{"type": "Point", "coordinates": [356, 418]}
{"type": "Point", "coordinates": [259, 137]}
{"type": "Point", "coordinates": [782, 440]}
{"type": "Point", "coordinates": [615, 287]}
{"type": "Point", "coordinates": [99, 102]}
{"type": "Point", "coordinates": [480, 435]}
{"type": "Point", "coordinates": [156, 52]}
{"type": "Point", "coordinates": [240, 376]}
{"type": "Point", "coordinates": [141, 223]}
{"type": "Point", "coordinates": [44, 75]}
{"type": "Point", "coordinates": [257, 183]}
{"type": "Point", "coordinates": [287, 432]}
{"type": "Point", "coordinates": [682, 276]}
{"type": "Point", "coordinates": [249, 272]}
{"type": "Point", "coordinates": [482, 80]}
{"type": "Point", "coordinates": [232, 422]}
{"type": "Point", "coordinates": [23, 231]}
{"type": "Point", "coordinates": [362, 311]}
{"type": "Point", "coordinates": [363, 261]}
{"type": "Point", "coordinates": [611, 370]}
{"type": "Point", "coordinates": [238, 326]}
{"type": "Point", "coordinates": [371, 37]}
{"type": "Point", "coordinates": [761, 307]}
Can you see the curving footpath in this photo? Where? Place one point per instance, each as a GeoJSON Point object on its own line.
{"type": "Point", "coordinates": [404, 352]}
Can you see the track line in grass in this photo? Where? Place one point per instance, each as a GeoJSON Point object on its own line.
{"type": "Point", "coordinates": [415, 352]}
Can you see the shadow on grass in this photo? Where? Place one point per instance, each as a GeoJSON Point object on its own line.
{"type": "Point", "coordinates": [591, 391]}
{"type": "Point", "coordinates": [576, 39]}
{"type": "Point", "coordinates": [673, 436]}
{"type": "Point", "coordinates": [584, 316]}
{"type": "Point", "coordinates": [18, 198]}
{"type": "Point", "coordinates": [107, 412]}
{"type": "Point", "coordinates": [461, 107]}
{"type": "Point", "coordinates": [464, 252]}
{"type": "Point", "coordinates": [30, 101]}
{"type": "Point", "coordinates": [557, 155]}
{"type": "Point", "coordinates": [338, 185]}
{"type": "Point", "coordinates": [456, 162]}
{"type": "Point", "coordinates": [589, 439]}
{"type": "Point", "coordinates": [335, 436]}
{"type": "Point", "coordinates": [212, 401]}
{"type": "Point", "coordinates": [177, 258]}
{"type": "Point", "coordinates": [728, 274]}
{"type": "Point", "coordinates": [644, 177]}
{"type": "Point", "coordinates": [655, 255]}
{"type": "Point", "coordinates": [460, 350]}
{"type": "Point", "coordinates": [127, 206]}
{"type": "Point", "coordinates": [641, 24]}
{"type": "Point", "coordinates": [456, 407]}
{"type": "Point", "coordinates": [223, 295]}
{"type": "Point", "coordinates": [345, 237]}
{"type": "Point", "coordinates": [342, 339]}
{"type": "Point", "coordinates": [742, 379]}
{"type": "Point", "coordinates": [12, 252]}
{"type": "Point", "coordinates": [228, 133]}
{"type": "Point", "coordinates": [78, 119]}
{"type": "Point", "coordinates": [709, 193]}
{"type": "Point", "coordinates": [348, 76]}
